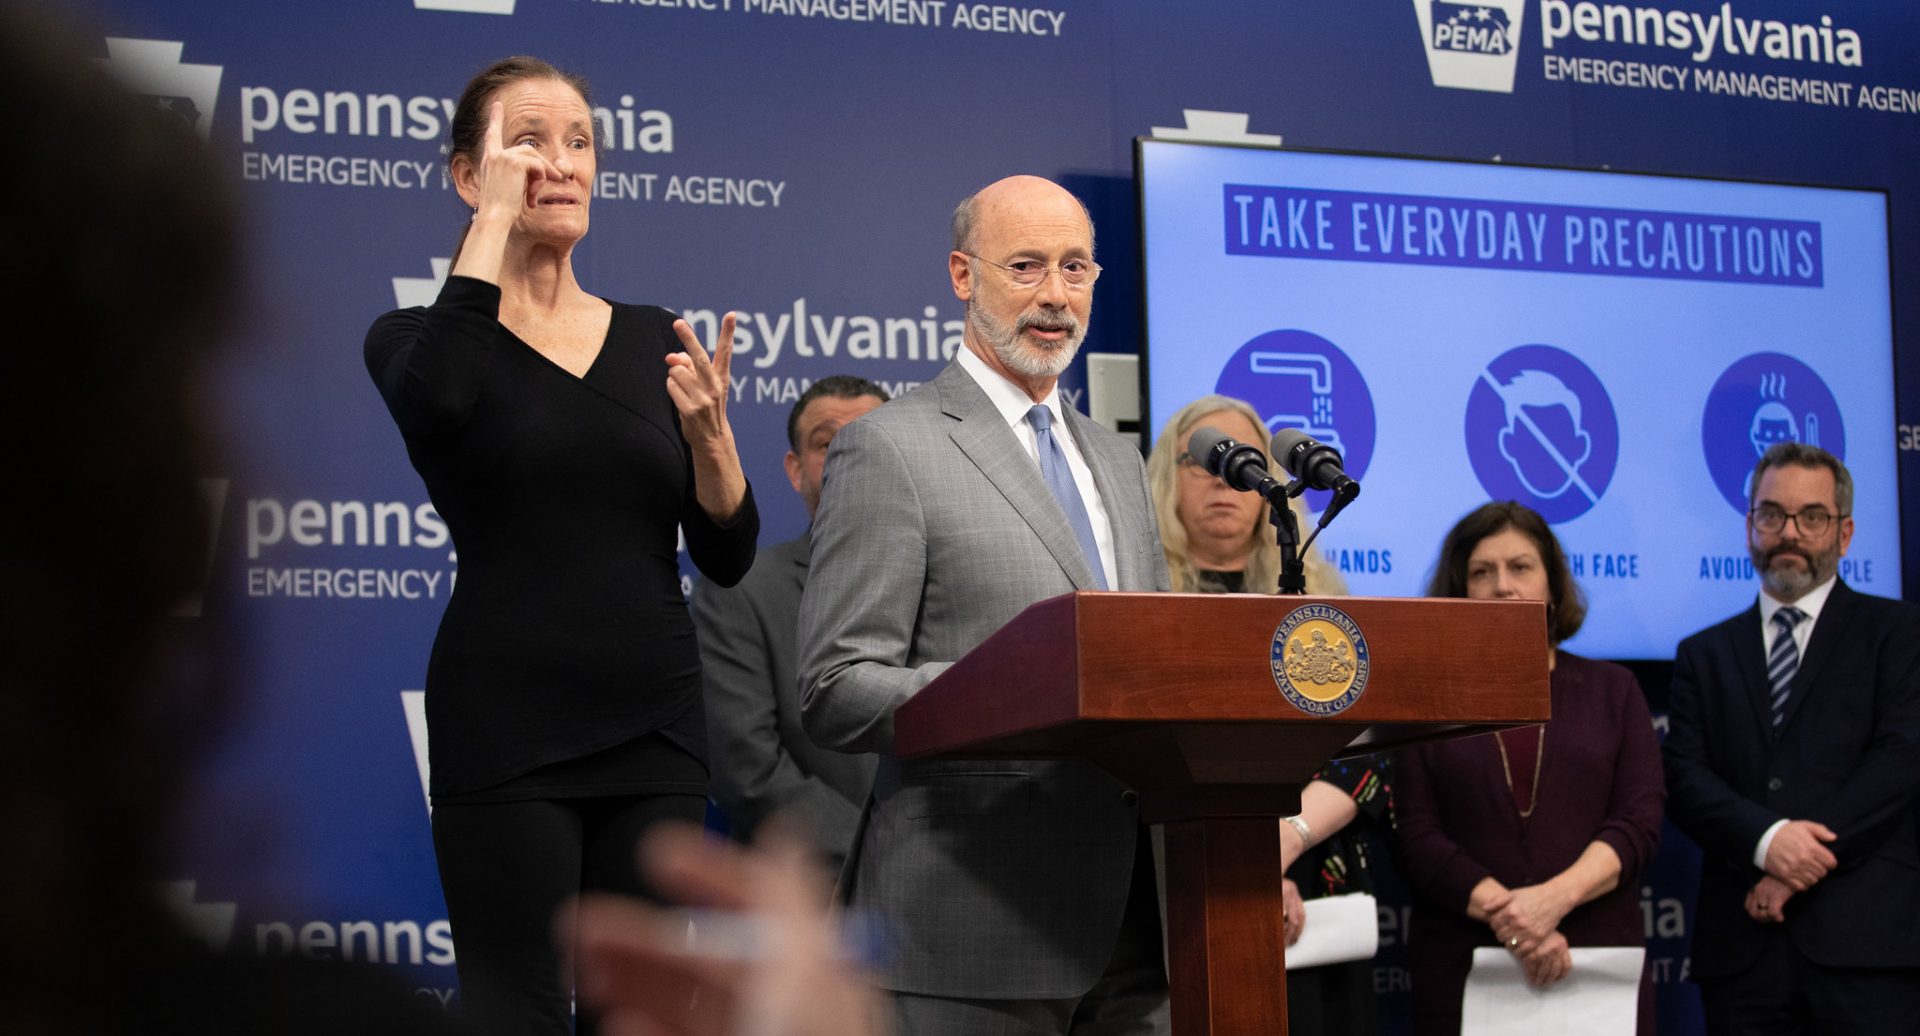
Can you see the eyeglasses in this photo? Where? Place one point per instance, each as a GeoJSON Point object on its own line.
{"type": "Point", "coordinates": [1031, 273]}
{"type": "Point", "coordinates": [1813, 521]}
{"type": "Point", "coordinates": [1190, 467]}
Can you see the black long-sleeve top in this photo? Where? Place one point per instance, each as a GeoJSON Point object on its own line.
{"type": "Point", "coordinates": [566, 632]}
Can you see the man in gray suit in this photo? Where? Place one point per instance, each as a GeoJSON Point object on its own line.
{"type": "Point", "coordinates": [763, 762]}
{"type": "Point", "coordinates": [1021, 894]}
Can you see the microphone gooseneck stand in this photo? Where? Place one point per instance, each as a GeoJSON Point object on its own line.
{"type": "Point", "coordinates": [1293, 570]}
{"type": "Point", "coordinates": [1293, 565]}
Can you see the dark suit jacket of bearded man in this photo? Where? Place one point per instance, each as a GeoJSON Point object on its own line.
{"type": "Point", "coordinates": [1847, 755]}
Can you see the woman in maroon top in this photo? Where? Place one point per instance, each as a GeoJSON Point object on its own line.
{"type": "Point", "coordinates": [1532, 838]}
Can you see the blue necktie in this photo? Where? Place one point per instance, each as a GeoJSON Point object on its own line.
{"type": "Point", "coordinates": [1783, 660]}
{"type": "Point", "coordinates": [1059, 478]}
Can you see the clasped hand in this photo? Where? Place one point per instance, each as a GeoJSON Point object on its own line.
{"type": "Point", "coordinates": [1798, 854]}
{"type": "Point", "coordinates": [1526, 921]}
{"type": "Point", "coordinates": [1767, 900]}
{"type": "Point", "coordinates": [1550, 961]}
{"type": "Point", "coordinates": [1523, 918]}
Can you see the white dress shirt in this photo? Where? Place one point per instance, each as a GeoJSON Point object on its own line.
{"type": "Point", "coordinates": [1013, 403]}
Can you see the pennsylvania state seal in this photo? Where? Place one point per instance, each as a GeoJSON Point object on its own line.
{"type": "Point", "coordinates": [1320, 659]}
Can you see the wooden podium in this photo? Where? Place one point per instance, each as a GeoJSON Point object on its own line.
{"type": "Point", "coordinates": [1177, 695]}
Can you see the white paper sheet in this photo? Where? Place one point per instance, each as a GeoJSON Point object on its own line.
{"type": "Point", "coordinates": [1599, 997]}
{"type": "Point", "coordinates": [1339, 928]}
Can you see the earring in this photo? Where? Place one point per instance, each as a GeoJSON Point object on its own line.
{"type": "Point", "coordinates": [474, 215]}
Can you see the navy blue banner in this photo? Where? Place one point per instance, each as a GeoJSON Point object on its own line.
{"type": "Point", "coordinates": [1301, 222]}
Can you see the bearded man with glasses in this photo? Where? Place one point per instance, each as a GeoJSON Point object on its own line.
{"type": "Point", "coordinates": [1793, 759]}
{"type": "Point", "coordinates": [1021, 893]}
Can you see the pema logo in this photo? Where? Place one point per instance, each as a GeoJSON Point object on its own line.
{"type": "Point", "coordinates": [212, 922]}
{"type": "Point", "coordinates": [152, 68]}
{"type": "Point", "coordinates": [213, 495]}
{"type": "Point", "coordinates": [466, 6]}
{"type": "Point", "coordinates": [413, 704]}
{"type": "Point", "coordinates": [1471, 46]}
{"type": "Point", "coordinates": [421, 291]}
{"type": "Point", "coordinates": [1471, 28]}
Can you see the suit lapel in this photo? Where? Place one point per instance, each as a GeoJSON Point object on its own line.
{"type": "Point", "coordinates": [1750, 655]}
{"type": "Point", "coordinates": [982, 434]}
{"type": "Point", "coordinates": [1827, 634]}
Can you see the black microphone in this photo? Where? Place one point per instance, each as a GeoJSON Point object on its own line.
{"type": "Point", "coordinates": [1316, 464]}
{"type": "Point", "coordinates": [1239, 465]}
{"type": "Point", "coordinates": [1311, 461]}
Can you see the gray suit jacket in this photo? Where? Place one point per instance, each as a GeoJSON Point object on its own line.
{"type": "Point", "coordinates": [1002, 879]}
{"type": "Point", "coordinates": [763, 762]}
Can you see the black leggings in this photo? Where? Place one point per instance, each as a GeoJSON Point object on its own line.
{"type": "Point", "coordinates": [506, 867]}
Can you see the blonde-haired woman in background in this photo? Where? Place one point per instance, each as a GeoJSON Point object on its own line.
{"type": "Point", "coordinates": [1218, 540]}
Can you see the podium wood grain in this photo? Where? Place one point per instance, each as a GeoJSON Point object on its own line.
{"type": "Point", "coordinates": [1175, 695]}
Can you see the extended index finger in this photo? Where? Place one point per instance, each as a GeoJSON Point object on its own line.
{"type": "Point", "coordinates": [690, 343]}
{"type": "Point", "coordinates": [496, 114]}
{"type": "Point", "coordinates": [723, 346]}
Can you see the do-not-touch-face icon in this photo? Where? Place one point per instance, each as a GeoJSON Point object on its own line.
{"type": "Point", "coordinates": [1540, 429]}
{"type": "Point", "coordinates": [1543, 439]}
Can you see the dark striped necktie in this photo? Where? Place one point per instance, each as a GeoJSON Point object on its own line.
{"type": "Point", "coordinates": [1783, 660]}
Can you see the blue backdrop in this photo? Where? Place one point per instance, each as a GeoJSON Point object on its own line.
{"type": "Point", "coordinates": [796, 160]}
{"type": "Point", "coordinates": [1435, 333]}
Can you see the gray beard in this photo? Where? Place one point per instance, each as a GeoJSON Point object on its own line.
{"type": "Point", "coordinates": [1029, 361]}
{"type": "Point", "coordinates": [1791, 584]}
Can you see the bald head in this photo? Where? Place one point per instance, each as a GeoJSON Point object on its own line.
{"type": "Point", "coordinates": [1028, 332]}
{"type": "Point", "coordinates": [997, 200]}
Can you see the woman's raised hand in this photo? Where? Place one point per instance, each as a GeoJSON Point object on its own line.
{"type": "Point", "coordinates": [507, 176]}
{"type": "Point", "coordinates": [700, 386]}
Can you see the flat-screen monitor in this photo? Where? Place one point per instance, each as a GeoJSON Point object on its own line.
{"type": "Point", "coordinates": [1612, 349]}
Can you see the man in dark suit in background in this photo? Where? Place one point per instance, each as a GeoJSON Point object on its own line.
{"type": "Point", "coordinates": [763, 762]}
{"type": "Point", "coordinates": [1021, 893]}
{"type": "Point", "coordinates": [1793, 759]}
